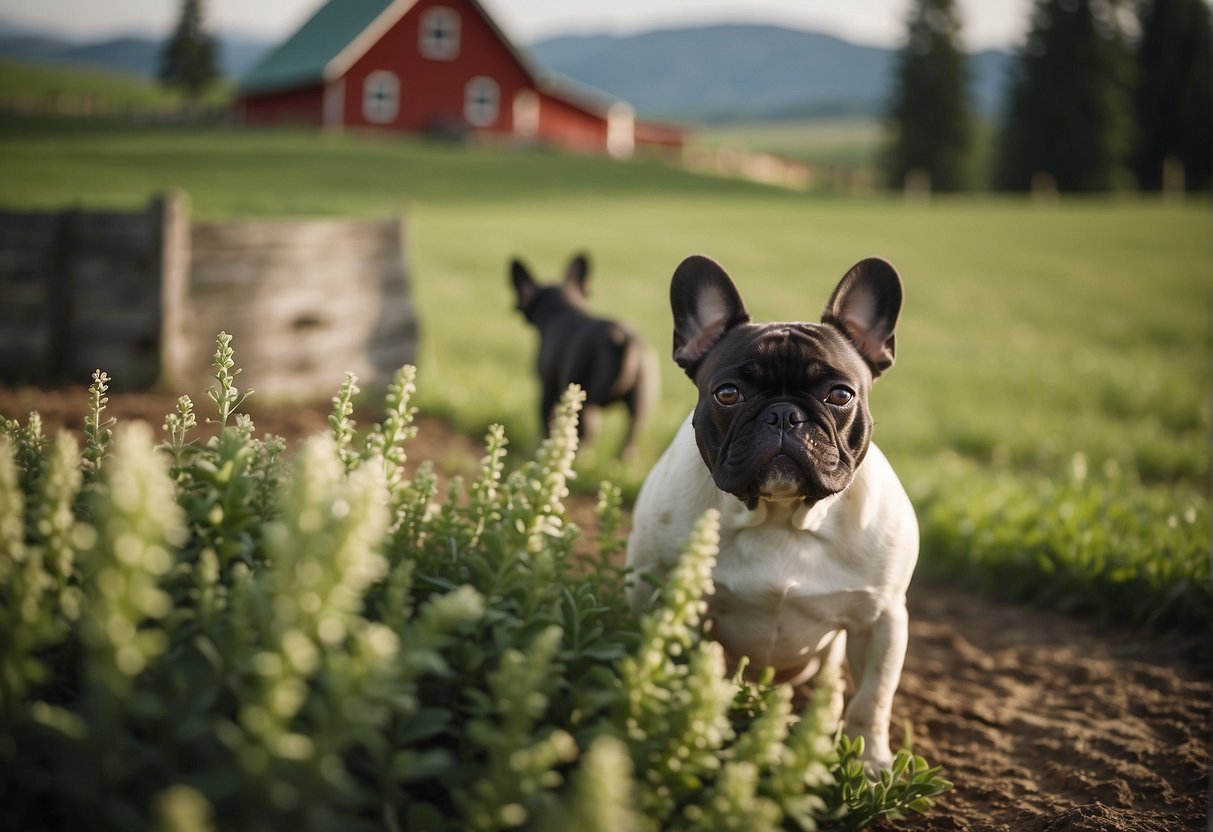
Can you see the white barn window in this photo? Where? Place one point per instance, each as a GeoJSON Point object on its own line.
{"type": "Point", "coordinates": [439, 34]}
{"type": "Point", "coordinates": [481, 102]}
{"type": "Point", "coordinates": [381, 97]}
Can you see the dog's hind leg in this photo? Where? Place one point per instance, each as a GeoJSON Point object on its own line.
{"type": "Point", "coordinates": [589, 424]}
{"type": "Point", "coordinates": [547, 407]}
{"type": "Point", "coordinates": [825, 668]}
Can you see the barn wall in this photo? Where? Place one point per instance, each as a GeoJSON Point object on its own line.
{"type": "Point", "coordinates": [568, 126]}
{"type": "Point", "coordinates": [432, 92]}
{"type": "Point", "coordinates": [143, 295]}
{"type": "Point", "coordinates": [302, 107]}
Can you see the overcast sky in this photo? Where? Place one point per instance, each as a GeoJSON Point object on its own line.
{"type": "Point", "coordinates": [881, 22]}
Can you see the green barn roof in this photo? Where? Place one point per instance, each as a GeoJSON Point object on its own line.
{"type": "Point", "coordinates": [301, 59]}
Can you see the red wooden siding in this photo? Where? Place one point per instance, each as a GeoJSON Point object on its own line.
{"type": "Point", "coordinates": [432, 91]}
{"type": "Point", "coordinates": [303, 106]}
{"type": "Point", "coordinates": [567, 125]}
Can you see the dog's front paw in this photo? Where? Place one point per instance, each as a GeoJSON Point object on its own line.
{"type": "Point", "coordinates": [876, 757]}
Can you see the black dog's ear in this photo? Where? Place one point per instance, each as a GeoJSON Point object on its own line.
{"type": "Point", "coordinates": [865, 306]}
{"type": "Point", "coordinates": [576, 272]}
{"type": "Point", "coordinates": [524, 284]}
{"type": "Point", "coordinates": [706, 305]}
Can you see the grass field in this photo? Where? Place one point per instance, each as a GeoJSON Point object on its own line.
{"type": "Point", "coordinates": [852, 142]}
{"type": "Point", "coordinates": [69, 89]}
{"type": "Point", "coordinates": [1040, 343]}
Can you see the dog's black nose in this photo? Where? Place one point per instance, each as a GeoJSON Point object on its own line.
{"type": "Point", "coordinates": [784, 416]}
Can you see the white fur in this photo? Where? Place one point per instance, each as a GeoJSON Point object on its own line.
{"type": "Point", "coordinates": [791, 580]}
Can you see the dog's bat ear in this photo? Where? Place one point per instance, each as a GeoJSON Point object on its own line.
{"type": "Point", "coordinates": [577, 271]}
{"type": "Point", "coordinates": [865, 306]}
{"type": "Point", "coordinates": [706, 305]}
{"type": "Point", "coordinates": [524, 283]}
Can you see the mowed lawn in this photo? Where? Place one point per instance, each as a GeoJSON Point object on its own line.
{"type": "Point", "coordinates": [1036, 338]}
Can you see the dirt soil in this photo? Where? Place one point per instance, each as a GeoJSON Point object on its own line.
{"type": "Point", "coordinates": [1045, 722]}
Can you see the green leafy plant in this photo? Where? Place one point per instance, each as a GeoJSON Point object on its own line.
{"type": "Point", "coordinates": [214, 634]}
{"type": "Point", "coordinates": [1092, 541]}
{"type": "Point", "coordinates": [97, 433]}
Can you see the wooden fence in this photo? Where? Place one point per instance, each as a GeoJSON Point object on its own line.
{"type": "Point", "coordinates": [143, 295]}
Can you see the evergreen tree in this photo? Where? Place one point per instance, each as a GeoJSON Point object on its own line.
{"type": "Point", "coordinates": [1068, 113]}
{"type": "Point", "coordinates": [187, 61]}
{"type": "Point", "coordinates": [930, 121]}
{"type": "Point", "coordinates": [1175, 92]}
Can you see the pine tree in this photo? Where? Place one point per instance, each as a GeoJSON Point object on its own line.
{"type": "Point", "coordinates": [1175, 93]}
{"type": "Point", "coordinates": [930, 120]}
{"type": "Point", "coordinates": [1068, 115]}
{"type": "Point", "coordinates": [187, 61]}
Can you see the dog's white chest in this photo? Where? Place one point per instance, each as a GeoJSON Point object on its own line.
{"type": "Point", "coordinates": [783, 591]}
{"type": "Point", "coordinates": [787, 578]}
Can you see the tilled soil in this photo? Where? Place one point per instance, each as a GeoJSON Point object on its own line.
{"type": "Point", "coordinates": [1045, 722]}
{"type": "Point", "coordinates": [1050, 723]}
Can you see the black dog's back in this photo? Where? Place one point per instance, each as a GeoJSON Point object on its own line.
{"type": "Point", "coordinates": [607, 359]}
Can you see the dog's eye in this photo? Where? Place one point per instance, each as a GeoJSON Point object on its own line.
{"type": "Point", "coordinates": [727, 394]}
{"type": "Point", "coordinates": [839, 396]}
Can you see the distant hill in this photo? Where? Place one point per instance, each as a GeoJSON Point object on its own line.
{"type": "Point", "coordinates": [731, 72]}
{"type": "Point", "coordinates": [135, 55]}
{"type": "Point", "coordinates": [709, 73]}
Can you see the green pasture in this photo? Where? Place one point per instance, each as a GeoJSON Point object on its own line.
{"type": "Point", "coordinates": [850, 142]}
{"type": "Point", "coordinates": [66, 88]}
{"type": "Point", "coordinates": [1042, 345]}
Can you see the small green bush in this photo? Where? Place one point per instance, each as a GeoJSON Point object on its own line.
{"type": "Point", "coordinates": [207, 634]}
{"type": "Point", "coordinates": [1093, 541]}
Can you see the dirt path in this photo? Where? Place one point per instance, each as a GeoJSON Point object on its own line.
{"type": "Point", "coordinates": [1046, 723]}
{"type": "Point", "coordinates": [1049, 722]}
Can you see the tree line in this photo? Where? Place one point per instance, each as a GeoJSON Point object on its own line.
{"type": "Point", "coordinates": [1103, 95]}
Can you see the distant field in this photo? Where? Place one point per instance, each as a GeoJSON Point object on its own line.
{"type": "Point", "coordinates": [846, 152]}
{"type": "Point", "coordinates": [68, 89]}
{"type": "Point", "coordinates": [841, 142]}
{"type": "Point", "coordinates": [1038, 342]}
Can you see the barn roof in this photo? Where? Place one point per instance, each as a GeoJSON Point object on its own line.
{"type": "Point", "coordinates": [337, 35]}
{"type": "Point", "coordinates": [302, 58]}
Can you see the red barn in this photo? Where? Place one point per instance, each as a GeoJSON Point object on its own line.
{"type": "Point", "coordinates": [431, 66]}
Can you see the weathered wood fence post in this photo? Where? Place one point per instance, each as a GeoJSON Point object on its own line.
{"type": "Point", "coordinates": [173, 214]}
{"type": "Point", "coordinates": [142, 295]}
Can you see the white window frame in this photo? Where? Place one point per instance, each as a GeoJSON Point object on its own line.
{"type": "Point", "coordinates": [443, 19]}
{"type": "Point", "coordinates": [481, 101]}
{"type": "Point", "coordinates": [381, 97]}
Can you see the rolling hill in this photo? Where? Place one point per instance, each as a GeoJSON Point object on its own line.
{"type": "Point", "coordinates": [750, 72]}
{"type": "Point", "coordinates": [706, 73]}
{"type": "Point", "coordinates": [132, 55]}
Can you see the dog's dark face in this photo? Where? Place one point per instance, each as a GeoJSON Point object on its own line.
{"type": "Point", "coordinates": [539, 301]}
{"type": "Point", "coordinates": [783, 407]}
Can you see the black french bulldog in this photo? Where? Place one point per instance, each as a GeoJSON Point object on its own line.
{"type": "Point", "coordinates": [818, 539]}
{"type": "Point", "coordinates": [606, 358]}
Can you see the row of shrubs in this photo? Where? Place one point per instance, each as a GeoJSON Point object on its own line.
{"type": "Point", "coordinates": [215, 633]}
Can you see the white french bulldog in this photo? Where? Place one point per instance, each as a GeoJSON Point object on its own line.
{"type": "Point", "coordinates": [818, 539]}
